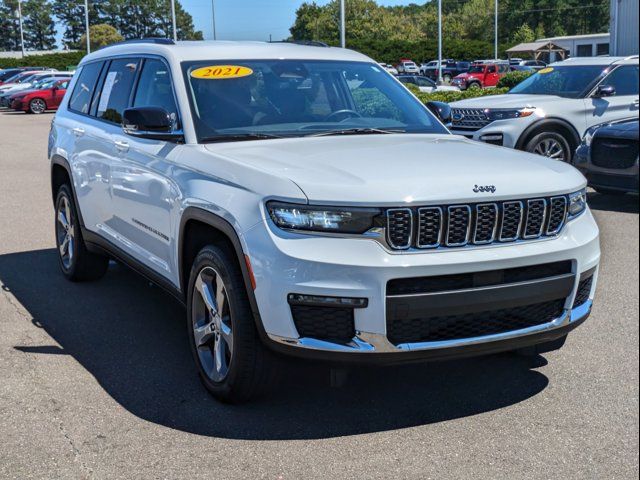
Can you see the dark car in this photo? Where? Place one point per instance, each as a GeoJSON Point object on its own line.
{"type": "Point", "coordinates": [535, 64]}
{"type": "Point", "coordinates": [521, 68]}
{"type": "Point", "coordinates": [608, 156]}
{"type": "Point", "coordinates": [450, 70]}
{"type": "Point", "coordinates": [7, 73]}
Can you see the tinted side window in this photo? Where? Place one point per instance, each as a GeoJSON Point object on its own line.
{"type": "Point", "coordinates": [81, 95]}
{"type": "Point", "coordinates": [154, 87]}
{"type": "Point", "coordinates": [116, 89]}
{"type": "Point", "coordinates": [624, 79]}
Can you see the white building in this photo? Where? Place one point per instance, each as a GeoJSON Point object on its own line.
{"type": "Point", "coordinates": [592, 45]}
{"type": "Point", "coordinates": [624, 27]}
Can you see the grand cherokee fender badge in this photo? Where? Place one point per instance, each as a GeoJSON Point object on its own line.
{"type": "Point", "coordinates": [484, 188]}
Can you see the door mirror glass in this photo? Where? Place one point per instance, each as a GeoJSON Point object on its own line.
{"type": "Point", "coordinates": [605, 91]}
{"type": "Point", "coordinates": [441, 110]}
{"type": "Point", "coordinates": [150, 122]}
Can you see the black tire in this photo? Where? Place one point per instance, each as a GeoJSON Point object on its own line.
{"type": "Point", "coordinates": [542, 347]}
{"type": "Point", "coordinates": [37, 106]}
{"type": "Point", "coordinates": [474, 85]}
{"type": "Point", "coordinates": [80, 265]}
{"type": "Point", "coordinates": [536, 144]}
{"type": "Point", "coordinates": [250, 367]}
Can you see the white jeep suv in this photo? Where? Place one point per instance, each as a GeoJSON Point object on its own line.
{"type": "Point", "coordinates": [275, 190]}
{"type": "Point", "coordinates": [549, 112]}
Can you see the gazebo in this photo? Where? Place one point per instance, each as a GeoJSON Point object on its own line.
{"type": "Point", "coordinates": [538, 51]}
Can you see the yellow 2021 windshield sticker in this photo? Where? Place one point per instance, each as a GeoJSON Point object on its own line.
{"type": "Point", "coordinates": [221, 72]}
{"type": "Point", "coordinates": [546, 70]}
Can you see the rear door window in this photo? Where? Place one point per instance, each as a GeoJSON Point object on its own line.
{"type": "Point", "coordinates": [116, 89]}
{"type": "Point", "coordinates": [83, 90]}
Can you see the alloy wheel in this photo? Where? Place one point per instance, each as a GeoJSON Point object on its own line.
{"type": "Point", "coordinates": [211, 323]}
{"type": "Point", "coordinates": [550, 148]}
{"type": "Point", "coordinates": [65, 232]}
{"type": "Point", "coordinates": [37, 105]}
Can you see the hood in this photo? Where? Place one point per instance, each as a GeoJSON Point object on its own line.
{"type": "Point", "coordinates": [397, 169]}
{"type": "Point", "coordinates": [506, 101]}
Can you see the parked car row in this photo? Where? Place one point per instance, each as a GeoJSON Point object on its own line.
{"type": "Point", "coordinates": [33, 91]}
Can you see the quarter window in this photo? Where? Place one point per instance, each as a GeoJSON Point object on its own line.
{"type": "Point", "coordinates": [154, 87]}
{"type": "Point", "coordinates": [116, 89]}
{"type": "Point", "coordinates": [82, 92]}
{"type": "Point", "coordinates": [624, 80]}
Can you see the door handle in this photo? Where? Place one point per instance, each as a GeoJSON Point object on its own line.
{"type": "Point", "coordinates": [636, 102]}
{"type": "Point", "coordinates": [78, 132]}
{"type": "Point", "coordinates": [121, 146]}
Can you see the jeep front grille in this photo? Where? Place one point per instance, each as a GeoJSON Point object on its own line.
{"type": "Point", "coordinates": [469, 118]}
{"type": "Point", "coordinates": [475, 224]}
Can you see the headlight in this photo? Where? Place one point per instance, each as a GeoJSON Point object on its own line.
{"type": "Point", "coordinates": [505, 114]}
{"type": "Point", "coordinates": [322, 219]}
{"type": "Point", "coordinates": [577, 203]}
{"type": "Point", "coordinates": [588, 136]}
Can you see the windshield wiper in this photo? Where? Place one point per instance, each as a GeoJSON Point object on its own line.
{"type": "Point", "coordinates": [355, 131]}
{"type": "Point", "coordinates": [239, 137]}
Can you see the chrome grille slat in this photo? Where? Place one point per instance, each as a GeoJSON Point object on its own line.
{"type": "Point", "coordinates": [451, 226]}
{"type": "Point", "coordinates": [469, 118]}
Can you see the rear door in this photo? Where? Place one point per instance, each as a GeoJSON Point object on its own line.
{"type": "Point", "coordinates": [623, 104]}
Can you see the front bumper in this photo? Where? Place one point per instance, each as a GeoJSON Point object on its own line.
{"type": "Point", "coordinates": [285, 263]}
{"type": "Point", "coordinates": [505, 133]}
{"type": "Point", "coordinates": [624, 180]}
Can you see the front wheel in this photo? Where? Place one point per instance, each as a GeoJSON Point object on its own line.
{"type": "Point", "coordinates": [550, 144]}
{"type": "Point", "coordinates": [232, 363]}
{"type": "Point", "coordinates": [37, 106]}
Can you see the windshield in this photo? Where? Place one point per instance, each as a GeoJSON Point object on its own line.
{"type": "Point", "coordinates": [563, 81]}
{"type": "Point", "coordinates": [476, 69]}
{"type": "Point", "coordinates": [5, 75]}
{"type": "Point", "coordinates": [291, 98]}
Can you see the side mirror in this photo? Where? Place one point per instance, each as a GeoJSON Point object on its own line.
{"type": "Point", "coordinates": [154, 123]}
{"type": "Point", "coordinates": [605, 91]}
{"type": "Point", "coordinates": [441, 110]}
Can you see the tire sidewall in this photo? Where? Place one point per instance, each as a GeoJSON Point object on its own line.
{"type": "Point", "coordinates": [31, 110]}
{"type": "Point", "coordinates": [535, 140]}
{"type": "Point", "coordinates": [65, 192]}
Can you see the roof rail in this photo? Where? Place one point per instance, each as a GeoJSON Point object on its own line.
{"type": "Point", "coordinates": [155, 40]}
{"type": "Point", "coordinates": [308, 43]}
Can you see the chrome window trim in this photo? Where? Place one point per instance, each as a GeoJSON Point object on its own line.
{"type": "Point", "coordinates": [466, 241]}
{"type": "Point", "coordinates": [511, 239]}
{"type": "Point", "coordinates": [495, 224]}
{"type": "Point", "coordinates": [440, 232]}
{"type": "Point", "coordinates": [544, 218]}
{"type": "Point", "coordinates": [411, 221]}
{"type": "Point", "coordinates": [564, 217]}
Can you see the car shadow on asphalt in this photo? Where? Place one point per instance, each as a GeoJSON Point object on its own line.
{"type": "Point", "coordinates": [132, 338]}
{"type": "Point", "coordinates": [614, 203]}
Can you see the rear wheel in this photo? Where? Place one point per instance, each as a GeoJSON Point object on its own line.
{"type": "Point", "coordinates": [231, 360]}
{"type": "Point", "coordinates": [550, 144]}
{"type": "Point", "coordinates": [37, 106]}
{"type": "Point", "coordinates": [76, 262]}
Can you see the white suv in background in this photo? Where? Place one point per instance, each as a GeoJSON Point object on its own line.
{"type": "Point", "coordinates": [296, 200]}
{"type": "Point", "coordinates": [549, 112]}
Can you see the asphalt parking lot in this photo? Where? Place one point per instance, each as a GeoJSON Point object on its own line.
{"type": "Point", "coordinates": [96, 379]}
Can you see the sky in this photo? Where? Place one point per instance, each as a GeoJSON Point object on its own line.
{"type": "Point", "coordinates": [253, 19]}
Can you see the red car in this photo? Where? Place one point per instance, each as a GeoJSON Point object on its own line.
{"type": "Point", "coordinates": [481, 75]}
{"type": "Point", "coordinates": [40, 100]}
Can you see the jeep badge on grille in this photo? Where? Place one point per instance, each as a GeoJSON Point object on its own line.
{"type": "Point", "coordinates": [484, 188]}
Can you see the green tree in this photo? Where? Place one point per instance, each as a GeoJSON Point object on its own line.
{"type": "Point", "coordinates": [101, 36]}
{"type": "Point", "coordinates": [9, 25]}
{"type": "Point", "coordinates": [39, 26]}
{"type": "Point", "coordinates": [71, 15]}
{"type": "Point", "coordinates": [523, 34]}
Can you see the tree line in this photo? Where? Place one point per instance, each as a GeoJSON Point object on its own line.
{"type": "Point", "coordinates": [370, 26]}
{"type": "Point", "coordinates": [130, 18]}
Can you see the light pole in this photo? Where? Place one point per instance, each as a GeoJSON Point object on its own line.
{"type": "Point", "coordinates": [86, 25]}
{"type": "Point", "coordinates": [213, 17]}
{"type": "Point", "coordinates": [343, 36]}
{"type": "Point", "coordinates": [495, 26]}
{"type": "Point", "coordinates": [21, 31]}
{"type": "Point", "coordinates": [440, 42]}
{"type": "Point", "coordinates": [173, 20]}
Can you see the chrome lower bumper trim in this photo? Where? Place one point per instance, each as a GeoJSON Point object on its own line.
{"type": "Point", "coordinates": [365, 342]}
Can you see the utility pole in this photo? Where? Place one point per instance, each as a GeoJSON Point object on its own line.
{"type": "Point", "coordinates": [213, 18]}
{"type": "Point", "coordinates": [440, 42]}
{"type": "Point", "coordinates": [173, 20]}
{"type": "Point", "coordinates": [343, 36]}
{"type": "Point", "coordinates": [21, 31]}
{"type": "Point", "coordinates": [496, 32]}
{"type": "Point", "coordinates": [86, 25]}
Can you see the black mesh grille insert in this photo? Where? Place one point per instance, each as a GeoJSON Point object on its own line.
{"type": "Point", "coordinates": [458, 227]}
{"type": "Point", "coordinates": [584, 290]}
{"type": "Point", "coordinates": [536, 212]}
{"type": "Point", "coordinates": [616, 154]}
{"type": "Point", "coordinates": [429, 227]}
{"type": "Point", "coordinates": [325, 323]}
{"type": "Point", "coordinates": [511, 220]}
{"type": "Point", "coordinates": [442, 283]}
{"type": "Point", "coordinates": [486, 219]}
{"type": "Point", "coordinates": [472, 325]}
{"type": "Point", "coordinates": [557, 214]}
{"type": "Point", "coordinates": [399, 227]}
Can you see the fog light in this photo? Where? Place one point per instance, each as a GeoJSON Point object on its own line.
{"type": "Point", "coordinates": [493, 138]}
{"type": "Point", "coordinates": [321, 301]}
